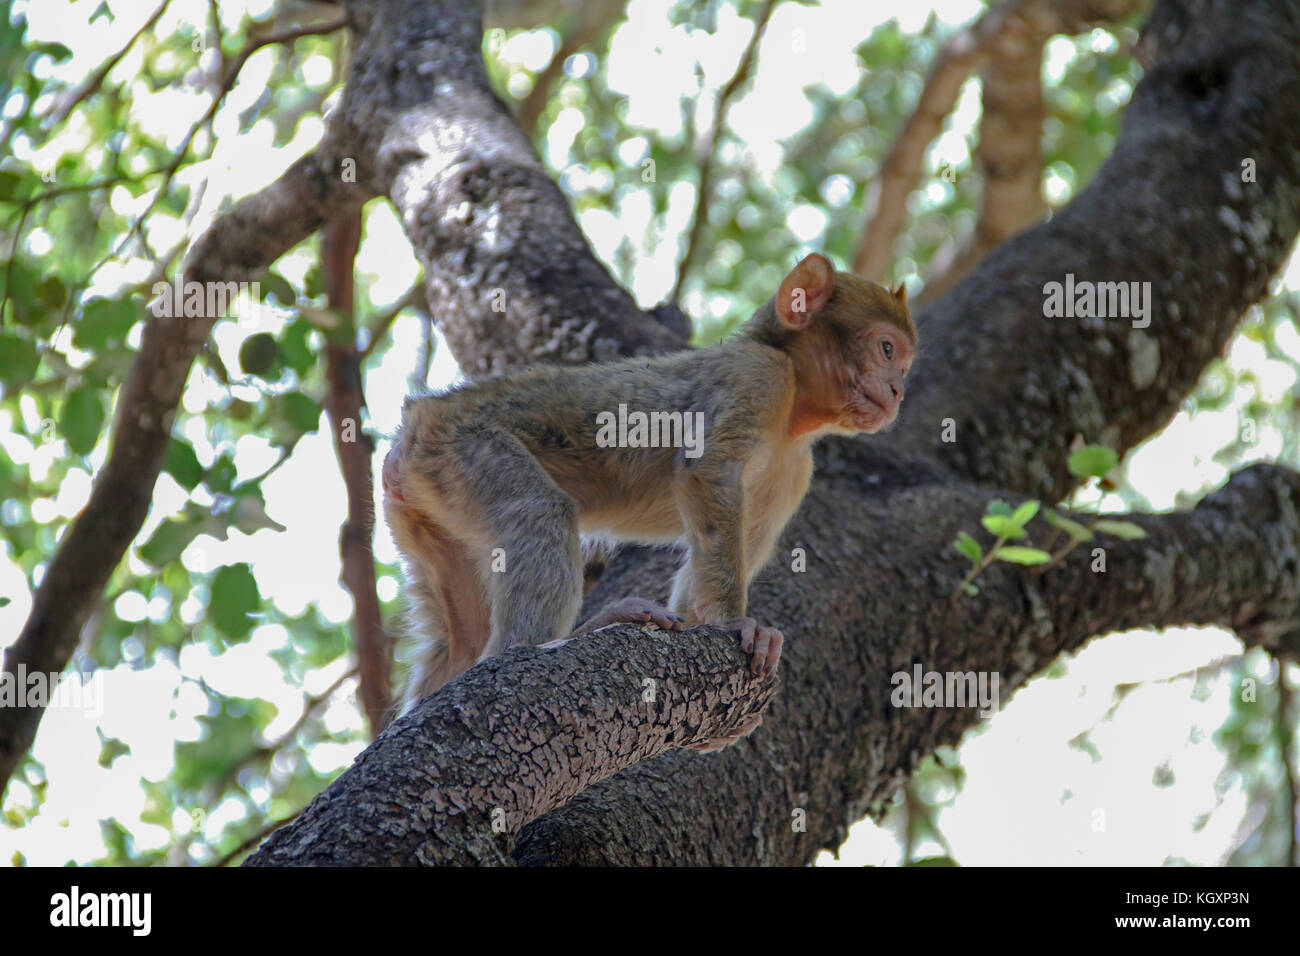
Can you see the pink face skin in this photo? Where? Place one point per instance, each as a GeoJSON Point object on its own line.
{"type": "Point", "coordinates": [876, 393]}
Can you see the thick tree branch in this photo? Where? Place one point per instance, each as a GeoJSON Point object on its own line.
{"type": "Point", "coordinates": [1233, 561]}
{"type": "Point", "coordinates": [572, 719]}
{"type": "Point", "coordinates": [510, 277]}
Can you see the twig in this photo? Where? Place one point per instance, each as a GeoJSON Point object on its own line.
{"type": "Point", "coordinates": [419, 376]}
{"type": "Point", "coordinates": [256, 838]}
{"type": "Point", "coordinates": [706, 151]}
{"type": "Point", "coordinates": [1285, 723]}
{"type": "Point", "coordinates": [310, 704]}
{"type": "Point", "coordinates": [65, 106]}
{"type": "Point", "coordinates": [589, 27]}
{"type": "Point", "coordinates": [384, 320]}
{"type": "Point", "coordinates": [228, 81]}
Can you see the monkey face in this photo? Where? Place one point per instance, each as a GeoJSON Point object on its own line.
{"type": "Point", "coordinates": [872, 398]}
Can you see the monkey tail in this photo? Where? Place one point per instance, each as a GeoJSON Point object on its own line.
{"type": "Point", "coordinates": [428, 671]}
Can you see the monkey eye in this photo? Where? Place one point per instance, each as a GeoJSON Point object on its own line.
{"type": "Point", "coordinates": [888, 349]}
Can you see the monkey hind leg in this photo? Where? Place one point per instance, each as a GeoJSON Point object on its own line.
{"type": "Point", "coordinates": [535, 581]}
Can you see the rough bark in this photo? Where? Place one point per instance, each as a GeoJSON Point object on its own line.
{"type": "Point", "coordinates": [1169, 208]}
{"type": "Point", "coordinates": [530, 729]}
{"type": "Point", "coordinates": [509, 275]}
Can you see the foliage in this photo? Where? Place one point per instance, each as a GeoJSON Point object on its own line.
{"type": "Point", "coordinates": [1008, 524]}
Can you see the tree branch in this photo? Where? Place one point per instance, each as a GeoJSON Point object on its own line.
{"type": "Point", "coordinates": [509, 276]}
{"type": "Point", "coordinates": [1010, 25]}
{"type": "Point", "coordinates": [704, 153]}
{"type": "Point", "coordinates": [238, 247]}
{"type": "Point", "coordinates": [576, 719]}
{"type": "Point", "coordinates": [345, 398]}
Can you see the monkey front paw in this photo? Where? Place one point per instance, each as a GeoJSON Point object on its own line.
{"type": "Point", "coordinates": [763, 644]}
{"type": "Point", "coordinates": [635, 611]}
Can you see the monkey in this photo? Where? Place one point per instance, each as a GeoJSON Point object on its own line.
{"type": "Point", "coordinates": [490, 488]}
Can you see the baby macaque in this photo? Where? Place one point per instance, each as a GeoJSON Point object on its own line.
{"type": "Point", "coordinates": [489, 486]}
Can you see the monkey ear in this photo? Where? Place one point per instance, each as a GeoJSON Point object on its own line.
{"type": "Point", "coordinates": [805, 291]}
{"type": "Point", "coordinates": [900, 294]}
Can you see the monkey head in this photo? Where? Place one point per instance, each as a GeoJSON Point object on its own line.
{"type": "Point", "coordinates": [852, 343]}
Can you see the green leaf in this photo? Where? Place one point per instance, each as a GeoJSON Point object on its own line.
{"type": "Point", "coordinates": [249, 513]}
{"type": "Point", "coordinates": [20, 282]}
{"type": "Point", "coordinates": [999, 507]}
{"type": "Point", "coordinates": [183, 464]}
{"type": "Point", "coordinates": [234, 599]}
{"type": "Point", "coordinates": [1025, 513]}
{"type": "Point", "coordinates": [50, 292]}
{"type": "Point", "coordinates": [9, 184]}
{"type": "Point", "coordinates": [259, 354]}
{"type": "Point", "coordinates": [5, 602]}
{"type": "Point", "coordinates": [969, 588]}
{"type": "Point", "coordinates": [169, 540]}
{"type": "Point", "coordinates": [1003, 527]}
{"type": "Point", "coordinates": [103, 321]}
{"type": "Point", "coordinates": [298, 411]}
{"type": "Point", "coordinates": [1092, 461]}
{"type": "Point", "coordinates": [221, 476]}
{"type": "Point", "coordinates": [110, 748]}
{"type": "Point", "coordinates": [272, 283]}
{"type": "Point", "coordinates": [295, 346]}
{"type": "Point", "coordinates": [968, 546]}
{"type": "Point", "coordinates": [1071, 527]}
{"type": "Point", "coordinates": [82, 418]}
{"type": "Point", "coordinates": [935, 861]}
{"type": "Point", "coordinates": [1015, 554]}
{"type": "Point", "coordinates": [1124, 530]}
{"type": "Point", "coordinates": [18, 360]}
{"type": "Point", "coordinates": [57, 50]}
